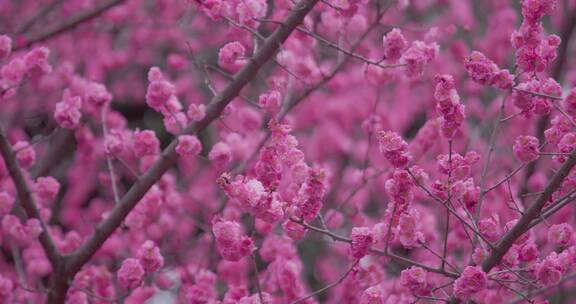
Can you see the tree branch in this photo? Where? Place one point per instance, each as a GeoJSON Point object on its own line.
{"type": "Point", "coordinates": [67, 24]}
{"type": "Point", "coordinates": [26, 198]}
{"type": "Point", "coordinates": [524, 223]}
{"type": "Point", "coordinates": [169, 155]}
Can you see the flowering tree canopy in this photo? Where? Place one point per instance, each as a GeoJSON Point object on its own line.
{"type": "Point", "coordinates": [287, 151]}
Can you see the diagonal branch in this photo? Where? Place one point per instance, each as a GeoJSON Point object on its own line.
{"type": "Point", "coordinates": [566, 34]}
{"type": "Point", "coordinates": [68, 24]}
{"type": "Point", "coordinates": [26, 198]}
{"type": "Point", "coordinates": [524, 223]}
{"type": "Point", "coordinates": [169, 155]}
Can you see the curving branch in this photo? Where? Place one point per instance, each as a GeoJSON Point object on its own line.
{"type": "Point", "coordinates": [531, 213]}
{"type": "Point", "coordinates": [26, 199]}
{"type": "Point", "coordinates": [67, 24]}
{"type": "Point", "coordinates": [565, 35]}
{"type": "Point", "coordinates": [82, 255]}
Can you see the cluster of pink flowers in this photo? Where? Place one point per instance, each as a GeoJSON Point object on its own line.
{"type": "Point", "coordinates": [451, 111]}
{"type": "Point", "coordinates": [160, 91]}
{"type": "Point", "coordinates": [32, 65]}
{"type": "Point", "coordinates": [534, 53]}
{"type": "Point", "coordinates": [68, 111]}
{"type": "Point", "coordinates": [289, 151]}
{"type": "Point", "coordinates": [20, 233]}
{"type": "Point", "coordinates": [526, 148]}
{"type": "Point", "coordinates": [5, 46]}
{"type": "Point", "coordinates": [485, 72]}
{"type": "Point", "coordinates": [416, 280]}
{"type": "Point", "coordinates": [417, 56]}
{"type": "Point", "coordinates": [161, 96]}
{"type": "Point", "coordinates": [232, 244]}
{"type": "Point", "coordinates": [395, 149]}
{"type": "Point", "coordinates": [525, 99]}
{"type": "Point", "coordinates": [188, 145]}
{"type": "Point", "coordinates": [245, 12]}
{"type": "Point", "coordinates": [271, 101]}
{"type": "Point", "coordinates": [362, 240]}
{"type": "Point", "coordinates": [394, 44]}
{"type": "Point", "coordinates": [232, 56]}
{"type": "Point", "coordinates": [472, 281]}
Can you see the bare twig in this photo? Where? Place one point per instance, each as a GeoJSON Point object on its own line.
{"type": "Point", "coordinates": [323, 289]}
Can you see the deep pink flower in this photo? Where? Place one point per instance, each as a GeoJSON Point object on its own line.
{"type": "Point", "coordinates": [5, 46]}
{"type": "Point", "coordinates": [188, 145]}
{"type": "Point", "coordinates": [130, 273]}
{"type": "Point", "coordinates": [362, 240]}
{"type": "Point", "coordinates": [150, 257]}
{"type": "Point", "coordinates": [526, 148]}
{"type": "Point", "coordinates": [560, 234]}
{"type": "Point", "coordinates": [471, 281]}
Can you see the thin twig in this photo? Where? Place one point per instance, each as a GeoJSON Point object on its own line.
{"type": "Point", "coordinates": [325, 288]}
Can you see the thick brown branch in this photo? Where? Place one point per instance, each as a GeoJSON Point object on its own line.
{"type": "Point", "coordinates": [25, 197]}
{"type": "Point", "coordinates": [169, 156]}
{"type": "Point", "coordinates": [565, 35]}
{"type": "Point", "coordinates": [524, 223]}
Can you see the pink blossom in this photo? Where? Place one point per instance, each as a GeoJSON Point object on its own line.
{"type": "Point", "coordinates": [158, 94]}
{"type": "Point", "coordinates": [150, 257]}
{"type": "Point", "coordinates": [145, 143]}
{"type": "Point", "coordinates": [294, 230]}
{"type": "Point", "coordinates": [471, 281]}
{"type": "Point", "coordinates": [526, 148]}
{"type": "Point", "coordinates": [248, 10]}
{"type": "Point", "coordinates": [220, 155]}
{"type": "Point", "coordinates": [14, 71]}
{"type": "Point", "coordinates": [196, 112]}
{"type": "Point", "coordinates": [362, 240]}
{"type": "Point", "coordinates": [486, 72]}
{"type": "Point", "coordinates": [96, 94]}
{"type": "Point", "coordinates": [231, 55]}
{"type": "Point", "coordinates": [6, 289]}
{"type": "Point", "coordinates": [271, 101]}
{"type": "Point", "coordinates": [394, 147]}
{"type": "Point", "coordinates": [232, 244]}
{"type": "Point", "coordinates": [47, 187]}
{"type": "Point", "coordinates": [407, 230]}
{"type": "Point", "coordinates": [25, 154]}
{"type": "Point", "coordinates": [570, 102]}
{"type": "Point", "coordinates": [534, 10]}
{"type": "Point", "coordinates": [417, 56]}
{"type": "Point", "coordinates": [6, 203]}
{"type": "Point", "coordinates": [130, 273]}
{"type": "Point", "coordinates": [67, 112]}
{"type": "Point", "coordinates": [214, 9]}
{"type": "Point", "coordinates": [114, 142]}
{"type": "Point", "coordinates": [449, 108]}
{"type": "Point", "coordinates": [5, 46]}
{"type": "Point", "coordinates": [36, 61]}
{"type": "Point", "coordinates": [415, 279]}
{"type": "Point", "coordinates": [394, 44]}
{"type": "Point", "coordinates": [480, 68]}
{"type": "Point", "coordinates": [550, 270]}
{"type": "Point", "coordinates": [188, 145]}
{"type": "Point", "coordinates": [560, 234]}
{"type": "Point", "coordinates": [311, 194]}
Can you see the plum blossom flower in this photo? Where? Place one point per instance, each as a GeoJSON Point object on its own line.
{"type": "Point", "coordinates": [526, 148]}
{"type": "Point", "coordinates": [471, 281]}
{"type": "Point", "coordinates": [130, 273]}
